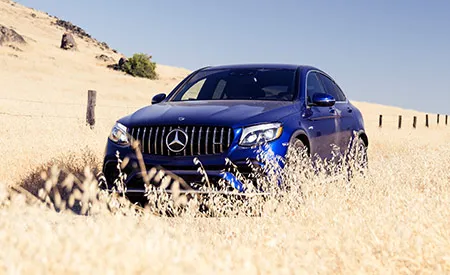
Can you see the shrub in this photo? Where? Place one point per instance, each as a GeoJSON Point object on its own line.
{"type": "Point", "coordinates": [140, 65]}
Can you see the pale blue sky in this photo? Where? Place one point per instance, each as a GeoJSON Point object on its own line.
{"type": "Point", "coordinates": [388, 52]}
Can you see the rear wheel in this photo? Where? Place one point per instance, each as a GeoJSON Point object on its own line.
{"type": "Point", "coordinates": [359, 157]}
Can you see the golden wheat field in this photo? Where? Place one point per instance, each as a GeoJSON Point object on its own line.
{"type": "Point", "coordinates": [393, 220]}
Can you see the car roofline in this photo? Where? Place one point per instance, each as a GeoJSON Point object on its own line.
{"type": "Point", "coordinates": [258, 66]}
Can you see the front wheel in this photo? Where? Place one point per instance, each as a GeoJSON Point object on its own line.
{"type": "Point", "coordinates": [298, 165]}
{"type": "Point", "coordinates": [297, 147]}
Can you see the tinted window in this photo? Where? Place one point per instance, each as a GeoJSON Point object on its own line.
{"type": "Point", "coordinates": [242, 84]}
{"type": "Point", "coordinates": [332, 89]}
{"type": "Point", "coordinates": [314, 86]}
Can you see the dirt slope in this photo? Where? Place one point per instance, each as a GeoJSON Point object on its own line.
{"type": "Point", "coordinates": [44, 91]}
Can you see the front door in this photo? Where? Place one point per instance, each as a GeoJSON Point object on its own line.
{"type": "Point", "coordinates": [344, 112]}
{"type": "Point", "coordinates": [321, 122]}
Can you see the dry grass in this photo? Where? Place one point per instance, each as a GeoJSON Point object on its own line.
{"type": "Point", "coordinates": [395, 220]}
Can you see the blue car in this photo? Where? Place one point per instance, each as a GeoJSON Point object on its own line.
{"type": "Point", "coordinates": [226, 112]}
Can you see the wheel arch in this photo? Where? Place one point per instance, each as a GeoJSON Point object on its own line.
{"type": "Point", "coordinates": [361, 134]}
{"type": "Point", "coordinates": [301, 135]}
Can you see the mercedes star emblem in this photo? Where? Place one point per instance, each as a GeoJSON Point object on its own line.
{"type": "Point", "coordinates": [176, 140]}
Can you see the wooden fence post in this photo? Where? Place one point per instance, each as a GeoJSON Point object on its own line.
{"type": "Point", "coordinates": [437, 120]}
{"type": "Point", "coordinates": [400, 122]}
{"type": "Point", "coordinates": [446, 119]}
{"type": "Point", "coordinates": [426, 121]}
{"type": "Point", "coordinates": [90, 114]}
{"type": "Point", "coordinates": [380, 121]}
{"type": "Point", "coordinates": [414, 122]}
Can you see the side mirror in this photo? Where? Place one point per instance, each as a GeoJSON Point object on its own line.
{"type": "Point", "coordinates": [158, 98]}
{"type": "Point", "coordinates": [323, 100]}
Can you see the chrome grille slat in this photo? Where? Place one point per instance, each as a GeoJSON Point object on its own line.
{"type": "Point", "coordinates": [149, 139]}
{"type": "Point", "coordinates": [156, 141]}
{"type": "Point", "coordinates": [199, 139]}
{"type": "Point", "coordinates": [162, 140]}
{"type": "Point", "coordinates": [192, 140]}
{"type": "Point", "coordinates": [169, 153]}
{"type": "Point", "coordinates": [202, 140]}
{"type": "Point", "coordinates": [221, 139]}
{"type": "Point", "coordinates": [214, 141]}
{"type": "Point", "coordinates": [143, 140]}
{"type": "Point", "coordinates": [185, 149]}
{"type": "Point", "coordinates": [206, 147]}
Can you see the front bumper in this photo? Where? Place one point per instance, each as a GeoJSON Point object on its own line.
{"type": "Point", "coordinates": [215, 167]}
{"type": "Point", "coordinates": [193, 176]}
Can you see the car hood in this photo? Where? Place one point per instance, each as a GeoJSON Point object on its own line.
{"type": "Point", "coordinates": [233, 113]}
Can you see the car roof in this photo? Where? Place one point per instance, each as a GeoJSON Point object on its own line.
{"type": "Point", "coordinates": [261, 66]}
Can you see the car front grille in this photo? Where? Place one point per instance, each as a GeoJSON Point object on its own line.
{"type": "Point", "coordinates": [198, 140]}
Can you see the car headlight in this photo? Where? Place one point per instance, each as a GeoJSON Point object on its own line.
{"type": "Point", "coordinates": [259, 134]}
{"type": "Point", "coordinates": [119, 135]}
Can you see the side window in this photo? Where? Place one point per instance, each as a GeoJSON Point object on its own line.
{"type": "Point", "coordinates": [313, 86]}
{"type": "Point", "coordinates": [332, 88]}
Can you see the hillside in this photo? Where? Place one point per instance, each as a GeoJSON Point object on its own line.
{"type": "Point", "coordinates": [65, 75]}
{"type": "Point", "coordinates": [45, 88]}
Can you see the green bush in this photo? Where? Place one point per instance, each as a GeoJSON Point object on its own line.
{"type": "Point", "coordinates": [140, 65]}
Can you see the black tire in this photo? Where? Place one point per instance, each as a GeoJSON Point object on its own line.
{"type": "Point", "coordinates": [298, 156]}
{"type": "Point", "coordinates": [298, 147]}
{"type": "Point", "coordinates": [359, 156]}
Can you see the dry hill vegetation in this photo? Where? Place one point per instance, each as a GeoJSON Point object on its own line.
{"type": "Point", "coordinates": [394, 220]}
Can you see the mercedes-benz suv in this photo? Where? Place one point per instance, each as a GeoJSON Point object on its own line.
{"type": "Point", "coordinates": [225, 112]}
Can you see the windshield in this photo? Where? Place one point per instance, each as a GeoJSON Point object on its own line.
{"type": "Point", "coordinates": [240, 84]}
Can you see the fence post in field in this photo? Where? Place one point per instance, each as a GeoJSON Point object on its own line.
{"type": "Point", "coordinates": [90, 114]}
{"type": "Point", "coordinates": [414, 122]}
{"type": "Point", "coordinates": [437, 120]}
{"type": "Point", "coordinates": [380, 121]}
{"type": "Point", "coordinates": [446, 119]}
{"type": "Point", "coordinates": [426, 121]}
{"type": "Point", "coordinates": [400, 122]}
